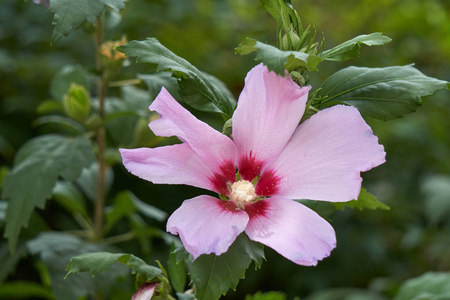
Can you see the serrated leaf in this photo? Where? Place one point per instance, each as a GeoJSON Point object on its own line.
{"type": "Point", "coordinates": [381, 93]}
{"type": "Point", "coordinates": [71, 14]}
{"type": "Point", "coordinates": [429, 286]}
{"type": "Point", "coordinates": [101, 262]}
{"type": "Point", "coordinates": [214, 275]}
{"type": "Point", "coordinates": [197, 89]}
{"type": "Point", "coordinates": [277, 60]}
{"type": "Point", "coordinates": [365, 201]}
{"type": "Point", "coordinates": [37, 166]}
{"type": "Point", "coordinates": [351, 47]}
{"type": "Point", "coordinates": [55, 250]}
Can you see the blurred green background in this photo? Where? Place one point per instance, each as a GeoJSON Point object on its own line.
{"type": "Point", "coordinates": [376, 250]}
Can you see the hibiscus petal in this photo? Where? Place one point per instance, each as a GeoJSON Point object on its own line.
{"type": "Point", "coordinates": [145, 292]}
{"type": "Point", "coordinates": [177, 164]}
{"type": "Point", "coordinates": [207, 225]}
{"type": "Point", "coordinates": [214, 148]}
{"type": "Point", "coordinates": [268, 111]}
{"type": "Point", "coordinates": [326, 155]}
{"type": "Point", "coordinates": [291, 229]}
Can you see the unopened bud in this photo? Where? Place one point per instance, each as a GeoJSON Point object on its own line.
{"type": "Point", "coordinates": [77, 103]}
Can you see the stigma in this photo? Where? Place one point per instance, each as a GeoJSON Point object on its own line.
{"type": "Point", "coordinates": [243, 192]}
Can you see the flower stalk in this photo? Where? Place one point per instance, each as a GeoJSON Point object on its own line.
{"type": "Point", "coordinates": [101, 136]}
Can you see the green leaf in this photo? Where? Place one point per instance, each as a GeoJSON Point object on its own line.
{"type": "Point", "coordinates": [214, 275]}
{"type": "Point", "coordinates": [70, 197]}
{"type": "Point", "coordinates": [71, 126]}
{"type": "Point", "coordinates": [9, 261]}
{"type": "Point", "coordinates": [156, 81]}
{"type": "Point", "coordinates": [177, 272]}
{"type": "Point", "coordinates": [365, 200]}
{"type": "Point", "coordinates": [37, 166]}
{"type": "Point", "coordinates": [123, 115]}
{"type": "Point", "coordinates": [283, 12]}
{"type": "Point", "coordinates": [101, 261]}
{"type": "Point", "coordinates": [55, 250]}
{"type": "Point", "coordinates": [88, 181]}
{"type": "Point", "coordinates": [71, 14]}
{"type": "Point", "coordinates": [25, 290]}
{"type": "Point", "coordinates": [65, 78]}
{"type": "Point", "coordinates": [429, 286]}
{"type": "Point", "coordinates": [381, 93]}
{"type": "Point", "coordinates": [126, 203]}
{"type": "Point", "coordinates": [436, 190]}
{"type": "Point", "coordinates": [351, 47]}
{"type": "Point", "coordinates": [266, 296]}
{"type": "Point", "coordinates": [197, 89]}
{"type": "Point", "coordinates": [277, 60]}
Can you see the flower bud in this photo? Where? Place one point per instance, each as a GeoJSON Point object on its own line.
{"type": "Point", "coordinates": [77, 103]}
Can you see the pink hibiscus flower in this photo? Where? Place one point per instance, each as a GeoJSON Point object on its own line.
{"type": "Point", "coordinates": [269, 161]}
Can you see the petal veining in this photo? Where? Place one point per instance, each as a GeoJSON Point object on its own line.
{"type": "Point", "coordinates": [326, 155]}
{"type": "Point", "coordinates": [291, 229]}
{"type": "Point", "coordinates": [268, 111]}
{"type": "Point", "coordinates": [214, 148]}
{"type": "Point", "coordinates": [207, 225]}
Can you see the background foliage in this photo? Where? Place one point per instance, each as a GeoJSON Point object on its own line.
{"type": "Point", "coordinates": [377, 249]}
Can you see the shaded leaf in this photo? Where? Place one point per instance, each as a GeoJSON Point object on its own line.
{"type": "Point", "coordinates": [69, 14]}
{"type": "Point", "coordinates": [55, 250]}
{"type": "Point", "coordinates": [64, 79]}
{"type": "Point", "coordinates": [381, 93]}
{"type": "Point", "coordinates": [196, 88]}
{"type": "Point", "coordinates": [37, 166]}
{"type": "Point", "coordinates": [69, 197]}
{"type": "Point", "coordinates": [436, 190]}
{"type": "Point", "coordinates": [266, 296]}
{"type": "Point", "coordinates": [88, 181]}
{"type": "Point", "coordinates": [9, 261]}
{"type": "Point", "coordinates": [25, 290]}
{"type": "Point", "coordinates": [429, 286]}
{"type": "Point", "coordinates": [126, 203]}
{"type": "Point", "coordinates": [101, 261]}
{"type": "Point", "coordinates": [156, 81]}
{"type": "Point", "coordinates": [365, 200]}
{"type": "Point", "coordinates": [277, 60]}
{"type": "Point", "coordinates": [351, 47]}
{"type": "Point", "coordinates": [214, 275]}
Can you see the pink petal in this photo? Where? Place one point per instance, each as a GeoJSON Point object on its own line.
{"type": "Point", "coordinates": [207, 225]}
{"type": "Point", "coordinates": [145, 292]}
{"type": "Point", "coordinates": [268, 111]}
{"type": "Point", "coordinates": [177, 164]}
{"type": "Point", "coordinates": [214, 148]}
{"type": "Point", "coordinates": [325, 156]}
{"type": "Point", "coordinates": [291, 229]}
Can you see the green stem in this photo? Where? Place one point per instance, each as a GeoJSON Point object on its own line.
{"type": "Point", "coordinates": [101, 143]}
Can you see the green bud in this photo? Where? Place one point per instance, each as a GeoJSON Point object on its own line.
{"type": "Point", "coordinates": [227, 127]}
{"type": "Point", "coordinates": [77, 103]}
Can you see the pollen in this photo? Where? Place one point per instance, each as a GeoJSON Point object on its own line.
{"type": "Point", "coordinates": [243, 191]}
